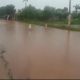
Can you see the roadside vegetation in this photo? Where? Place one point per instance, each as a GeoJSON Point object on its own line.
{"type": "Point", "coordinates": [49, 15]}
{"type": "Point", "coordinates": [8, 10]}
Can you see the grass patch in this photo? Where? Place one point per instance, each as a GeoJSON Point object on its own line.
{"type": "Point", "coordinates": [55, 24]}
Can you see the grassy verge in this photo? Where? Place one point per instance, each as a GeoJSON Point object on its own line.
{"type": "Point", "coordinates": [55, 24]}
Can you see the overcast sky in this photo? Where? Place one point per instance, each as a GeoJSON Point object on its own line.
{"type": "Point", "coordinates": [40, 3]}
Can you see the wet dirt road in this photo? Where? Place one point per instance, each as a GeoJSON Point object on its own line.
{"type": "Point", "coordinates": [39, 53]}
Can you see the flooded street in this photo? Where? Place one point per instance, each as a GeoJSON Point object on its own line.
{"type": "Point", "coordinates": [39, 53]}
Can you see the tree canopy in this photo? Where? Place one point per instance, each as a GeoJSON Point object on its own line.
{"type": "Point", "coordinates": [48, 13]}
{"type": "Point", "coordinates": [7, 10]}
{"type": "Point", "coordinates": [32, 13]}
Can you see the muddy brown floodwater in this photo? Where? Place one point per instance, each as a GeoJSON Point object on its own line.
{"type": "Point", "coordinates": [39, 53]}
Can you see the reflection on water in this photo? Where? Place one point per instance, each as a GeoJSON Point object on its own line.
{"type": "Point", "coordinates": [67, 47]}
{"type": "Point", "coordinates": [40, 53]}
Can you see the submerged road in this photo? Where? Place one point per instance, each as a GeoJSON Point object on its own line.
{"type": "Point", "coordinates": [39, 53]}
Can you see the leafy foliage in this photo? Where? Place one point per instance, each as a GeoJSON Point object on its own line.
{"type": "Point", "coordinates": [48, 13]}
{"type": "Point", "coordinates": [7, 10]}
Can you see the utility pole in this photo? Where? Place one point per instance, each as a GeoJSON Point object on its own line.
{"type": "Point", "coordinates": [69, 17]}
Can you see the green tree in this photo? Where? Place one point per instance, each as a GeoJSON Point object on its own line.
{"type": "Point", "coordinates": [7, 10]}
{"type": "Point", "coordinates": [48, 13]}
{"type": "Point", "coordinates": [76, 8]}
